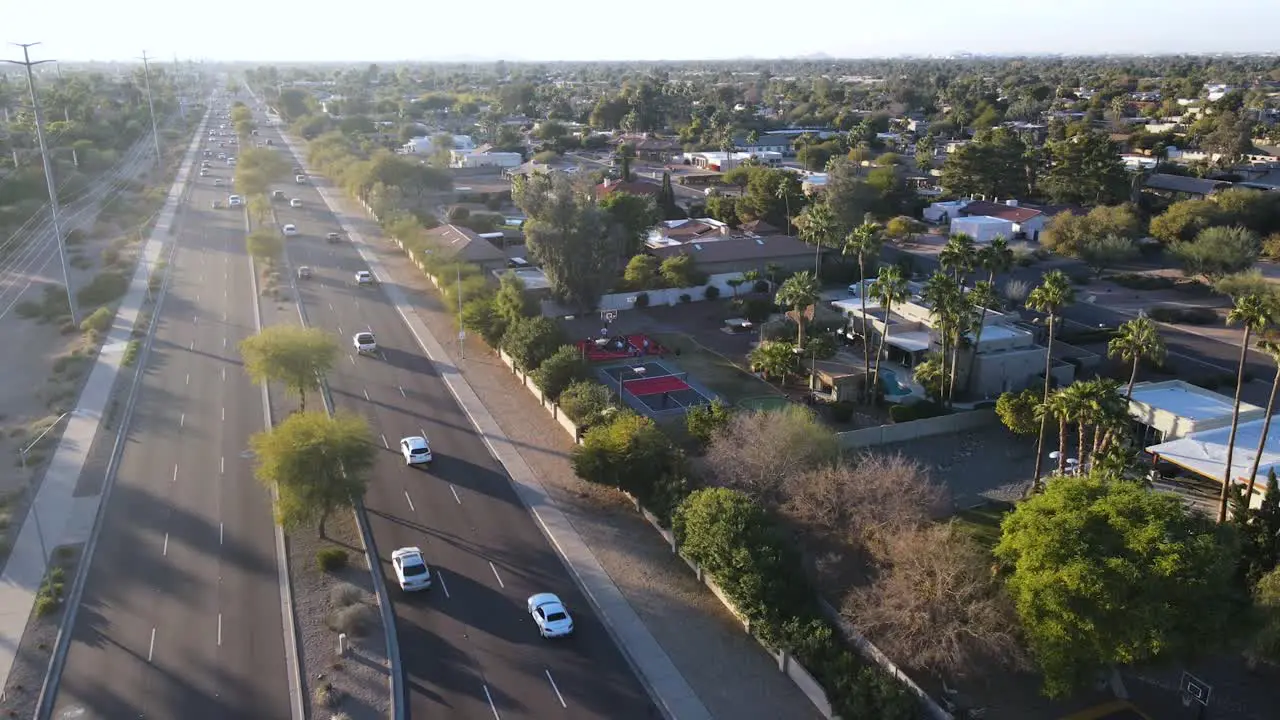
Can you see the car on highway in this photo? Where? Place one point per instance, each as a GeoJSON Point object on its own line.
{"type": "Point", "coordinates": [204, 172]}
{"type": "Point", "coordinates": [204, 163]}
{"type": "Point", "coordinates": [295, 203]}
{"type": "Point", "coordinates": [217, 204]}
{"type": "Point", "coordinates": [411, 569]}
{"type": "Point", "coordinates": [304, 273]}
{"type": "Point", "coordinates": [217, 182]}
{"type": "Point", "coordinates": [277, 194]}
{"type": "Point", "coordinates": [333, 237]}
{"type": "Point", "coordinates": [289, 230]}
{"type": "Point", "coordinates": [364, 342]}
{"type": "Point", "coordinates": [300, 179]}
{"type": "Point", "coordinates": [416, 450]}
{"type": "Point", "coordinates": [364, 277]}
{"type": "Point", "coordinates": [234, 200]}
{"type": "Point", "coordinates": [550, 615]}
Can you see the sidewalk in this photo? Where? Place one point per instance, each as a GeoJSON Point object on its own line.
{"type": "Point", "coordinates": [56, 517]}
{"type": "Point", "coordinates": [693, 656]}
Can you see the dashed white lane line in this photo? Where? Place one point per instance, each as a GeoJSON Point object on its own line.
{"type": "Point", "coordinates": [366, 395]}
{"type": "Point", "coordinates": [352, 358]}
{"type": "Point", "coordinates": [553, 687]}
{"type": "Point", "coordinates": [224, 374]}
{"type": "Point", "coordinates": [402, 393]}
{"type": "Point", "coordinates": [151, 650]}
{"type": "Point", "coordinates": [188, 378]}
{"type": "Point", "coordinates": [165, 550]}
{"type": "Point", "coordinates": [219, 629]}
{"type": "Point", "coordinates": [454, 490]}
{"type": "Point", "coordinates": [182, 420]}
{"type": "Point", "coordinates": [339, 330]}
{"type": "Point", "coordinates": [410, 501]}
{"type": "Point", "coordinates": [191, 345]}
{"type": "Point", "coordinates": [224, 343]}
{"type": "Point", "coordinates": [197, 299]}
{"type": "Point", "coordinates": [445, 588]}
{"type": "Point", "coordinates": [224, 414]}
{"type": "Point", "coordinates": [330, 307]}
{"type": "Point", "coordinates": [196, 318]}
{"type": "Point", "coordinates": [492, 707]}
{"type": "Point", "coordinates": [222, 465]}
{"type": "Point", "coordinates": [422, 432]}
{"type": "Point", "coordinates": [224, 317]}
{"type": "Point", "coordinates": [384, 441]}
{"type": "Point", "coordinates": [175, 472]}
{"type": "Point", "coordinates": [220, 529]}
{"type": "Point", "coordinates": [495, 574]}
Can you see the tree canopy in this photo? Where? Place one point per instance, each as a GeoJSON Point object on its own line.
{"type": "Point", "coordinates": [290, 355]}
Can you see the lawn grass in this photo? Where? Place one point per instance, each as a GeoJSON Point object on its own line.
{"type": "Point", "coordinates": [714, 370]}
{"type": "Point", "coordinates": [983, 521]}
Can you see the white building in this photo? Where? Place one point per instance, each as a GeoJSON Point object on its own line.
{"type": "Point", "coordinates": [1175, 409]}
{"type": "Point", "coordinates": [473, 159]}
{"type": "Point", "coordinates": [982, 229]}
{"type": "Point", "coordinates": [426, 145]}
{"type": "Point", "coordinates": [722, 161]}
{"type": "Point", "coordinates": [1204, 453]}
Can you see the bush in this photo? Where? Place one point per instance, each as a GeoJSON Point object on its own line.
{"type": "Point", "coordinates": [760, 286]}
{"type": "Point", "coordinates": [331, 559]}
{"type": "Point", "coordinates": [105, 288]}
{"type": "Point", "coordinates": [585, 401]}
{"type": "Point", "coordinates": [345, 594]}
{"type": "Point", "coordinates": [757, 309]}
{"type": "Point", "coordinates": [131, 353]}
{"type": "Point", "coordinates": [1134, 281]}
{"type": "Point", "coordinates": [711, 293]}
{"type": "Point", "coordinates": [642, 300]}
{"type": "Point", "coordinates": [560, 370]}
{"type": "Point", "coordinates": [531, 341]}
{"type": "Point", "coordinates": [326, 695]}
{"type": "Point", "coordinates": [916, 411]}
{"type": "Point", "coordinates": [702, 421]}
{"type": "Point", "coordinates": [842, 411]}
{"type": "Point", "coordinates": [630, 453]}
{"type": "Point", "coordinates": [98, 321]}
{"type": "Point", "coordinates": [45, 605]}
{"type": "Point", "coordinates": [354, 620]}
{"type": "Point", "coordinates": [1188, 316]}
{"type": "Point", "coordinates": [686, 298]}
{"type": "Point", "coordinates": [480, 316]}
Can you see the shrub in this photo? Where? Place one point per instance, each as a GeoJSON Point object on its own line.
{"type": "Point", "coordinates": [354, 620]}
{"type": "Point", "coordinates": [711, 293]}
{"type": "Point", "coordinates": [345, 594]}
{"type": "Point", "coordinates": [1134, 281]}
{"type": "Point", "coordinates": [760, 286]}
{"type": "Point", "coordinates": [917, 411]}
{"type": "Point", "coordinates": [45, 605]}
{"type": "Point", "coordinates": [629, 453]}
{"type": "Point", "coordinates": [326, 695]}
{"type": "Point", "coordinates": [757, 309]}
{"type": "Point", "coordinates": [131, 353]}
{"type": "Point", "coordinates": [842, 411]}
{"type": "Point", "coordinates": [105, 288]}
{"type": "Point", "coordinates": [531, 341]}
{"type": "Point", "coordinates": [480, 316]}
{"type": "Point", "coordinates": [642, 300]}
{"type": "Point", "coordinates": [98, 321]}
{"type": "Point", "coordinates": [331, 559]}
{"type": "Point", "coordinates": [585, 401]}
{"type": "Point", "coordinates": [560, 370]}
{"type": "Point", "coordinates": [702, 421]}
{"type": "Point", "coordinates": [1188, 316]}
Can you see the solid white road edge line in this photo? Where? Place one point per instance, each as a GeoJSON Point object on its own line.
{"type": "Point", "coordinates": [553, 687]}
{"type": "Point", "coordinates": [402, 393]}
{"type": "Point", "coordinates": [191, 345]}
{"type": "Point", "coordinates": [224, 414]}
{"type": "Point", "coordinates": [442, 585]}
{"type": "Point", "coordinates": [366, 396]}
{"type": "Point", "coordinates": [222, 465]}
{"type": "Point", "coordinates": [175, 472]}
{"type": "Point", "coordinates": [454, 490]}
{"type": "Point", "coordinates": [495, 574]}
{"type": "Point", "coordinates": [182, 420]}
{"type": "Point", "coordinates": [151, 648]}
{"type": "Point", "coordinates": [410, 501]}
{"type": "Point", "coordinates": [492, 707]}
{"type": "Point", "coordinates": [384, 441]}
{"type": "Point", "coordinates": [220, 631]}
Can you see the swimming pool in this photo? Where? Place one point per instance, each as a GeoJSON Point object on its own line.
{"type": "Point", "coordinates": [892, 386]}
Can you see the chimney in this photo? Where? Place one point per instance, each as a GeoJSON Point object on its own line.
{"type": "Point", "coordinates": [1011, 203]}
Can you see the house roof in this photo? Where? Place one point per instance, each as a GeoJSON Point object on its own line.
{"type": "Point", "coordinates": [635, 187]}
{"type": "Point", "coordinates": [1178, 183]}
{"type": "Point", "coordinates": [455, 241]}
{"type": "Point", "coordinates": [657, 144]}
{"type": "Point", "coordinates": [1012, 213]}
{"type": "Point", "coordinates": [733, 249]}
{"type": "Point", "coordinates": [759, 227]}
{"type": "Point", "coordinates": [692, 229]}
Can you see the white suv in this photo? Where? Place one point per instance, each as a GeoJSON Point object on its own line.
{"type": "Point", "coordinates": [416, 451]}
{"type": "Point", "coordinates": [364, 342]}
{"type": "Point", "coordinates": [364, 277]}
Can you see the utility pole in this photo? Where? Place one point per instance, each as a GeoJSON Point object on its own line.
{"type": "Point", "coordinates": [155, 133]}
{"type": "Point", "coordinates": [48, 173]}
{"type": "Point", "coordinates": [66, 115]}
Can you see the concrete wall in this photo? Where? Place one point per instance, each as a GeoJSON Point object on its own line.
{"type": "Point", "coordinates": [670, 296]}
{"type": "Point", "coordinates": [898, 432]}
{"type": "Point", "coordinates": [1015, 370]}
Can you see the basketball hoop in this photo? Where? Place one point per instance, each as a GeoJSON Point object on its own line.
{"type": "Point", "coordinates": [608, 315]}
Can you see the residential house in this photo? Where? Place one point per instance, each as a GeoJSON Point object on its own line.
{"type": "Point", "coordinates": [657, 149]}
{"type": "Point", "coordinates": [484, 156]}
{"type": "Point", "coordinates": [736, 254]}
{"type": "Point", "coordinates": [679, 232]}
{"type": "Point", "coordinates": [1177, 187]}
{"type": "Point", "coordinates": [459, 243]}
{"type": "Point", "coordinates": [538, 168]}
{"type": "Point", "coordinates": [985, 220]}
{"type": "Point", "coordinates": [765, 143]}
{"type": "Point", "coordinates": [1027, 222]}
{"type": "Point", "coordinates": [722, 161]}
{"type": "Point", "coordinates": [426, 145]}
{"type": "Point", "coordinates": [641, 187]}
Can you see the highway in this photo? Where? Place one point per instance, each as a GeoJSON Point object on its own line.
{"type": "Point", "coordinates": [181, 615]}
{"type": "Point", "coordinates": [468, 647]}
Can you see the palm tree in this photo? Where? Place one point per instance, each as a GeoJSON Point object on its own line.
{"type": "Point", "coordinates": [964, 321]}
{"type": "Point", "coordinates": [1049, 297]}
{"type": "Point", "coordinates": [983, 296]}
{"type": "Point", "coordinates": [1253, 313]}
{"type": "Point", "coordinates": [734, 283]}
{"type": "Point", "coordinates": [1062, 405]}
{"type": "Point", "coordinates": [771, 271]}
{"type": "Point", "coordinates": [864, 241]}
{"type": "Point", "coordinates": [783, 193]}
{"type": "Point", "coordinates": [889, 287]}
{"type": "Point", "coordinates": [995, 257]}
{"type": "Point", "coordinates": [798, 292]}
{"type": "Point", "coordinates": [958, 256]}
{"type": "Point", "coordinates": [818, 225]}
{"type": "Point", "coordinates": [939, 293]}
{"type": "Point", "coordinates": [1136, 340]}
{"type": "Point", "coordinates": [1272, 348]}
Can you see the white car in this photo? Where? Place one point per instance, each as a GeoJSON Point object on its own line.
{"type": "Point", "coordinates": [289, 230]}
{"type": "Point", "coordinates": [411, 570]}
{"type": "Point", "coordinates": [295, 203]}
{"type": "Point", "coordinates": [204, 172]}
{"type": "Point", "coordinates": [364, 277]}
{"type": "Point", "coordinates": [415, 449]}
{"type": "Point", "coordinates": [550, 615]}
{"type": "Point", "coordinates": [217, 182]}
{"type": "Point", "coordinates": [300, 179]}
{"type": "Point", "coordinates": [364, 342]}
{"type": "Point", "coordinates": [234, 200]}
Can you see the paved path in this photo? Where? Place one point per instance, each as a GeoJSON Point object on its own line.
{"type": "Point", "coordinates": [50, 517]}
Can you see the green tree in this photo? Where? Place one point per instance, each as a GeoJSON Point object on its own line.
{"type": "Point", "coordinates": [680, 271]}
{"type": "Point", "coordinates": [479, 316]}
{"type": "Point", "coordinates": [264, 244]}
{"type": "Point", "coordinates": [1266, 601]}
{"type": "Point", "coordinates": [317, 464]}
{"type": "Point", "coordinates": [1106, 573]}
{"type": "Point", "coordinates": [1049, 297]}
{"type": "Point", "coordinates": [641, 273]}
{"type": "Point", "coordinates": [1182, 221]}
{"type": "Point", "coordinates": [959, 255]}
{"type": "Point", "coordinates": [1254, 314]}
{"type": "Point", "coordinates": [629, 452]}
{"type": "Point", "coordinates": [1218, 251]}
{"type": "Point", "coordinates": [982, 297]}
{"type": "Point", "coordinates": [560, 370]}
{"type": "Point", "coordinates": [774, 359]}
{"type": "Point", "coordinates": [630, 217]}
{"type": "Point", "coordinates": [566, 233]}
{"type": "Point", "coordinates": [530, 341]}
{"type": "Point", "coordinates": [994, 164]}
{"type": "Point", "coordinates": [511, 303]}
{"type": "Point", "coordinates": [818, 227]}
{"type": "Point", "coordinates": [1272, 349]}
{"type": "Point", "coordinates": [586, 402]}
{"type": "Point", "coordinates": [996, 257]}
{"type": "Point", "coordinates": [703, 421]}
{"type": "Point", "coordinates": [293, 356]}
{"type": "Point", "coordinates": [1085, 169]}
{"type": "Point", "coordinates": [864, 242]}
{"type": "Point", "coordinates": [1105, 252]}
{"type": "Point", "coordinates": [1137, 340]}
{"type": "Point", "coordinates": [1018, 411]}
{"type": "Point", "coordinates": [931, 374]}
{"type": "Point", "coordinates": [799, 292]}
{"type": "Point", "coordinates": [889, 287]}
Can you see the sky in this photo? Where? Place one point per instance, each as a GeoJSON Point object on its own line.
{"type": "Point", "coordinates": [519, 30]}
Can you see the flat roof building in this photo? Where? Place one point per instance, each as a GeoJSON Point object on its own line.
{"type": "Point", "coordinates": [1173, 409]}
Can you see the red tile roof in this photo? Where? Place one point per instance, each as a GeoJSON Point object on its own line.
{"type": "Point", "coordinates": [635, 187]}
{"type": "Point", "coordinates": [1000, 210]}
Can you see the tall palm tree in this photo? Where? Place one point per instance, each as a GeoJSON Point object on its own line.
{"type": "Point", "coordinates": [964, 322]}
{"type": "Point", "coordinates": [819, 226]}
{"type": "Point", "coordinates": [1272, 348]}
{"type": "Point", "coordinates": [958, 256]}
{"type": "Point", "coordinates": [1049, 297]}
{"type": "Point", "coordinates": [995, 257]}
{"type": "Point", "coordinates": [783, 193]}
{"type": "Point", "coordinates": [1253, 313]}
{"type": "Point", "coordinates": [983, 296]}
{"type": "Point", "coordinates": [942, 294]}
{"type": "Point", "coordinates": [865, 242]}
{"type": "Point", "coordinates": [889, 287]}
{"type": "Point", "coordinates": [1062, 406]}
{"type": "Point", "coordinates": [1106, 411]}
{"type": "Point", "coordinates": [798, 292]}
{"type": "Point", "coordinates": [1136, 340]}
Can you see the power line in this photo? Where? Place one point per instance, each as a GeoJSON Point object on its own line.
{"type": "Point", "coordinates": [146, 74]}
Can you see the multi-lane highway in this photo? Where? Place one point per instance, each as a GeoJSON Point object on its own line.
{"type": "Point", "coordinates": [468, 648]}
{"type": "Point", "coordinates": [181, 614]}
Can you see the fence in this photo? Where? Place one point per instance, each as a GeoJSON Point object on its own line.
{"type": "Point", "coordinates": [915, 429]}
{"type": "Point", "coordinates": [669, 296]}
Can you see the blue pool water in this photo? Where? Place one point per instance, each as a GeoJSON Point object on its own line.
{"type": "Point", "coordinates": [889, 379]}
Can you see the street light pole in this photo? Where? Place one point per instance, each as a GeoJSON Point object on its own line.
{"type": "Point", "coordinates": [155, 133]}
{"type": "Point", "coordinates": [48, 172]}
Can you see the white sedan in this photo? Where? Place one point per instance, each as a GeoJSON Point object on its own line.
{"type": "Point", "coordinates": [290, 230]}
{"type": "Point", "coordinates": [295, 203]}
{"type": "Point", "coordinates": [550, 615]}
{"type": "Point", "coordinates": [411, 570]}
{"type": "Point", "coordinates": [416, 450]}
{"type": "Point", "coordinates": [364, 277]}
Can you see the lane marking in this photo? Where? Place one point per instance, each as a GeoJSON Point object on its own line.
{"type": "Point", "coordinates": [224, 343]}
{"type": "Point", "coordinates": [195, 318]}
{"type": "Point", "coordinates": [165, 550]}
{"type": "Point", "coordinates": [492, 707]}
{"type": "Point", "coordinates": [330, 307]}
{"type": "Point", "coordinates": [224, 374]}
{"type": "Point", "coordinates": [222, 465]}
{"type": "Point", "coordinates": [219, 629]}
{"type": "Point", "coordinates": [384, 441]}
{"type": "Point", "coordinates": [191, 345]}
{"type": "Point", "coordinates": [366, 395]}
{"type": "Point", "coordinates": [553, 687]}
{"type": "Point", "coordinates": [175, 472]}
{"type": "Point", "coordinates": [424, 432]}
{"type": "Point", "coordinates": [352, 358]}
{"type": "Point", "coordinates": [151, 649]}
{"type": "Point", "coordinates": [454, 490]}
{"type": "Point", "coordinates": [198, 297]}
{"type": "Point", "coordinates": [410, 501]}
{"type": "Point", "coordinates": [219, 533]}
{"type": "Point", "coordinates": [188, 378]}
{"type": "Point", "coordinates": [224, 414]}
{"type": "Point", "coordinates": [182, 420]}
{"type": "Point", "coordinates": [444, 587]}
{"type": "Point", "coordinates": [224, 317]}
{"type": "Point", "coordinates": [495, 574]}
{"type": "Point", "coordinates": [402, 393]}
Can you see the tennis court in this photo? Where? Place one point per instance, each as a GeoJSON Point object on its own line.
{"type": "Point", "coordinates": [654, 388]}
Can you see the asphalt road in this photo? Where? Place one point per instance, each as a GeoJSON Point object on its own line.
{"type": "Point", "coordinates": [181, 613]}
{"type": "Point", "coordinates": [468, 647]}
